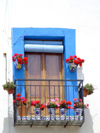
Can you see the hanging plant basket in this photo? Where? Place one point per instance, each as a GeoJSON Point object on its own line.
{"type": "Point", "coordinates": [17, 65]}
{"type": "Point", "coordinates": [9, 86]}
{"type": "Point", "coordinates": [72, 67]}
{"type": "Point", "coordinates": [85, 92]}
{"type": "Point", "coordinates": [10, 91]}
{"type": "Point", "coordinates": [22, 110]}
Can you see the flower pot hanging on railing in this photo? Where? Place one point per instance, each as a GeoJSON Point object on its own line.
{"type": "Point", "coordinates": [37, 113]}
{"type": "Point", "coordinates": [38, 108]}
{"type": "Point", "coordinates": [78, 112]}
{"type": "Point", "coordinates": [52, 113]}
{"type": "Point", "coordinates": [78, 107]}
{"type": "Point", "coordinates": [19, 60]}
{"type": "Point", "coordinates": [73, 62]}
{"type": "Point", "coordinates": [23, 110]}
{"type": "Point", "coordinates": [63, 113]}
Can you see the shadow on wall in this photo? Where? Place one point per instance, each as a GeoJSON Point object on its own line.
{"type": "Point", "coordinates": [87, 127]}
{"type": "Point", "coordinates": [80, 75]}
{"type": "Point", "coordinates": [88, 124]}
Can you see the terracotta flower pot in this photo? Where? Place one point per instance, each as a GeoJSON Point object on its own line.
{"type": "Point", "coordinates": [85, 92]}
{"type": "Point", "coordinates": [23, 110]}
{"type": "Point", "coordinates": [10, 91]}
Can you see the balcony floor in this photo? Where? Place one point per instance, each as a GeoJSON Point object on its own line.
{"type": "Point", "coordinates": [45, 121]}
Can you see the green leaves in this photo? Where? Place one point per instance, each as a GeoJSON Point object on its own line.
{"type": "Point", "coordinates": [89, 87]}
{"type": "Point", "coordinates": [8, 85]}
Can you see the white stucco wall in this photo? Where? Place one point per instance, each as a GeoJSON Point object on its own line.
{"type": "Point", "coordinates": [84, 16]}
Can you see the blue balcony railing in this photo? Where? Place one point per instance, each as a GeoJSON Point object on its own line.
{"type": "Point", "coordinates": [43, 91]}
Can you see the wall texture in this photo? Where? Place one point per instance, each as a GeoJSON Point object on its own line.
{"type": "Point", "coordinates": [84, 17]}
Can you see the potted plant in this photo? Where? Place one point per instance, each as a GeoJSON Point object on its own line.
{"type": "Point", "coordinates": [9, 86]}
{"type": "Point", "coordinates": [52, 105]}
{"type": "Point", "coordinates": [64, 105]}
{"type": "Point", "coordinates": [88, 89]}
{"type": "Point", "coordinates": [19, 60]}
{"type": "Point", "coordinates": [38, 107]}
{"type": "Point", "coordinates": [78, 106]}
{"type": "Point", "coordinates": [22, 105]}
{"type": "Point", "coordinates": [73, 62]}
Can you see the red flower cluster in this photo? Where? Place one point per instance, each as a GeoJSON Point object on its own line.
{"type": "Point", "coordinates": [37, 104]}
{"type": "Point", "coordinates": [65, 104]}
{"type": "Point", "coordinates": [79, 104]}
{"type": "Point", "coordinates": [42, 107]}
{"type": "Point", "coordinates": [75, 60]}
{"type": "Point", "coordinates": [19, 59]}
{"type": "Point", "coordinates": [20, 100]}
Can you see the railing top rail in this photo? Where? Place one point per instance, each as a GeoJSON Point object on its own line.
{"type": "Point", "coordinates": [49, 80]}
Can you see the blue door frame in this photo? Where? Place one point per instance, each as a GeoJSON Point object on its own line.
{"type": "Point", "coordinates": [19, 35]}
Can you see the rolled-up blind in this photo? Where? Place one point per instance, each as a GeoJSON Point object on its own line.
{"type": "Point", "coordinates": [43, 46]}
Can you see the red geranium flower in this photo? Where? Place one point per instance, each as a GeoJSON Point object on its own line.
{"type": "Point", "coordinates": [14, 101]}
{"type": "Point", "coordinates": [64, 101]}
{"type": "Point", "coordinates": [74, 104]}
{"type": "Point", "coordinates": [15, 54]}
{"type": "Point", "coordinates": [67, 60]}
{"type": "Point", "coordinates": [74, 99]}
{"type": "Point", "coordinates": [69, 107]}
{"type": "Point", "coordinates": [37, 102]}
{"type": "Point", "coordinates": [25, 62]}
{"type": "Point", "coordinates": [25, 58]}
{"type": "Point", "coordinates": [18, 95]}
{"type": "Point", "coordinates": [57, 107]}
{"type": "Point", "coordinates": [75, 56]}
{"type": "Point", "coordinates": [80, 100]}
{"type": "Point", "coordinates": [43, 106]}
{"type": "Point", "coordinates": [83, 60]}
{"type": "Point", "coordinates": [68, 102]}
{"type": "Point", "coordinates": [87, 105]}
{"type": "Point", "coordinates": [18, 98]}
{"type": "Point", "coordinates": [71, 57]}
{"type": "Point", "coordinates": [20, 54]}
{"type": "Point", "coordinates": [13, 59]}
{"type": "Point", "coordinates": [80, 64]}
{"type": "Point", "coordinates": [24, 101]}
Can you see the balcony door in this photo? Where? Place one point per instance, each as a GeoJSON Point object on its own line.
{"type": "Point", "coordinates": [44, 66]}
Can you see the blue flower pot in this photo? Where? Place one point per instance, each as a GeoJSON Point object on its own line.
{"type": "Point", "coordinates": [72, 67]}
{"type": "Point", "coordinates": [63, 112]}
{"type": "Point", "coordinates": [37, 113]}
{"type": "Point", "coordinates": [52, 113]}
{"type": "Point", "coordinates": [78, 112]}
{"type": "Point", "coordinates": [17, 65]}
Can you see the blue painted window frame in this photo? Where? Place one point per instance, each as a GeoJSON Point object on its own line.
{"type": "Point", "coordinates": [64, 34]}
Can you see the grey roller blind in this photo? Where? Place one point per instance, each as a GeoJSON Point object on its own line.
{"type": "Point", "coordinates": [43, 46]}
